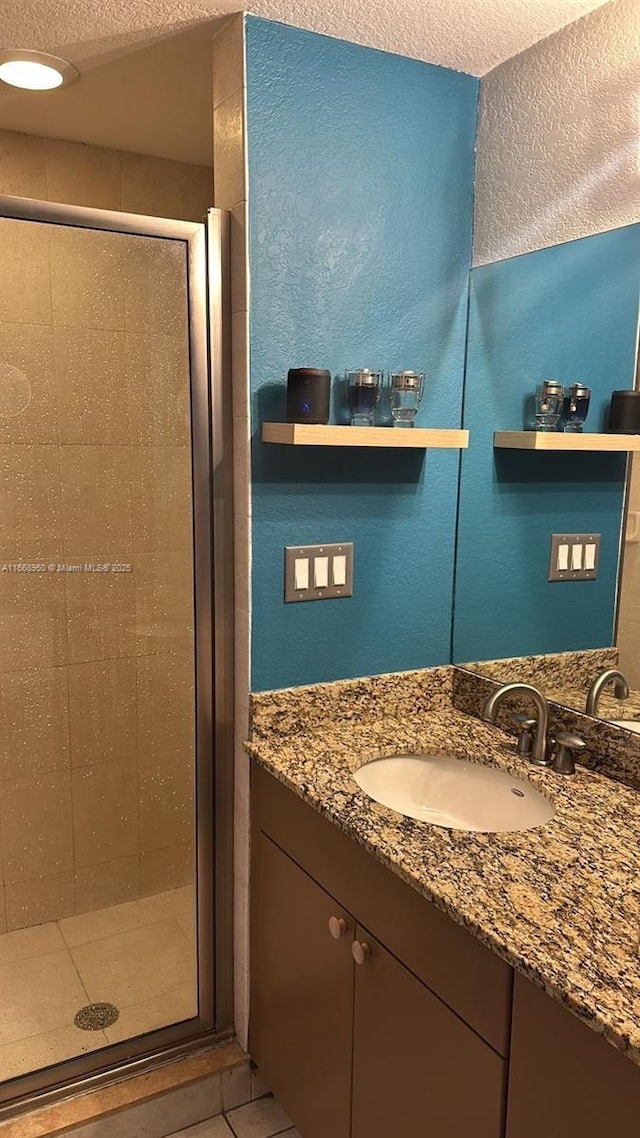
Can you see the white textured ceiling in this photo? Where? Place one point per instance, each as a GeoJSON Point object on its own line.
{"type": "Point", "coordinates": [469, 35]}
{"type": "Point", "coordinates": [146, 64]}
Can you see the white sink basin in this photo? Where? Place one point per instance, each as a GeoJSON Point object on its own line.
{"type": "Point", "coordinates": [630, 724]}
{"type": "Point", "coordinates": [454, 793]}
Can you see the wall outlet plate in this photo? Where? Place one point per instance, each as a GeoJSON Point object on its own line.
{"type": "Point", "coordinates": [326, 553]}
{"type": "Point", "coordinates": [579, 543]}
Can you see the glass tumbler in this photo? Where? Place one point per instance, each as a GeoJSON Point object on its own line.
{"type": "Point", "coordinates": [549, 396]}
{"type": "Point", "coordinates": [576, 407]}
{"type": "Point", "coordinates": [365, 388]}
{"type": "Point", "coordinates": [406, 389]}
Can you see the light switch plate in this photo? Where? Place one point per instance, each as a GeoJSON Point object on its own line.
{"type": "Point", "coordinates": [309, 552]}
{"type": "Point", "coordinates": [571, 540]}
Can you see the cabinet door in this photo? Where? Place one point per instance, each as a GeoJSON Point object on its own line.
{"type": "Point", "coordinates": [466, 975]}
{"type": "Point", "coordinates": [564, 1078]}
{"type": "Point", "coordinates": [301, 1019]}
{"type": "Point", "coordinates": [419, 1071]}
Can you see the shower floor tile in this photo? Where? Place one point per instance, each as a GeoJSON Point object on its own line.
{"type": "Point", "coordinates": [138, 965]}
{"type": "Point", "coordinates": [37, 994]}
{"type": "Point", "coordinates": [39, 940]}
{"type": "Point", "coordinates": [148, 1015]}
{"type": "Point", "coordinates": [139, 956]}
{"type": "Point", "coordinates": [103, 923]}
{"type": "Point", "coordinates": [41, 1050]}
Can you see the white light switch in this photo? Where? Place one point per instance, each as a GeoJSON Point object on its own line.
{"type": "Point", "coordinates": [574, 556]}
{"type": "Point", "coordinates": [321, 572]}
{"type": "Point", "coordinates": [301, 572]}
{"type": "Point", "coordinates": [340, 569]}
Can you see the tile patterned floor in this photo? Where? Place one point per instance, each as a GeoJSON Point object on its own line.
{"type": "Point", "coordinates": [263, 1118]}
{"type": "Point", "coordinates": [139, 956]}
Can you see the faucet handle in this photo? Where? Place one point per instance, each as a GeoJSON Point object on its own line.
{"type": "Point", "coordinates": [567, 749]}
{"type": "Point", "coordinates": [527, 726]}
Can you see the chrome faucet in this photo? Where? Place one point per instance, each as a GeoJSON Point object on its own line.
{"type": "Point", "coordinates": [611, 676]}
{"type": "Point", "coordinates": [539, 749]}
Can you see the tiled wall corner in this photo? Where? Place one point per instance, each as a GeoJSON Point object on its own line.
{"type": "Point", "coordinates": [230, 188]}
{"type": "Point", "coordinates": [76, 173]}
{"type": "Point", "coordinates": [23, 167]}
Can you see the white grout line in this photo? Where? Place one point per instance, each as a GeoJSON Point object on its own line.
{"type": "Point", "coordinates": [273, 1134]}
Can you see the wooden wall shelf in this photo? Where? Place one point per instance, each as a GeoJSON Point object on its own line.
{"type": "Point", "coordinates": [306, 434]}
{"type": "Point", "coordinates": [561, 441]}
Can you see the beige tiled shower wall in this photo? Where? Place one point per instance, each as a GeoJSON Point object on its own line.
{"type": "Point", "coordinates": [96, 667]}
{"type": "Point", "coordinates": [629, 614]}
{"type": "Point", "coordinates": [230, 193]}
{"type": "Point", "coordinates": [77, 174]}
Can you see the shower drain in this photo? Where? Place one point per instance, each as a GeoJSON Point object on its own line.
{"type": "Point", "coordinates": [96, 1016]}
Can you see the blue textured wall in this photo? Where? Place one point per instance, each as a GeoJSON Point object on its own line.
{"type": "Point", "coordinates": [567, 312]}
{"type": "Point", "coordinates": [361, 179]}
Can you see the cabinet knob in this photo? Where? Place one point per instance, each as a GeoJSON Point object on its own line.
{"type": "Point", "coordinates": [337, 927]}
{"type": "Point", "coordinates": [360, 951]}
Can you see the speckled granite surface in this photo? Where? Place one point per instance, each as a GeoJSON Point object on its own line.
{"type": "Point", "coordinates": [561, 669]}
{"type": "Point", "coordinates": [560, 903]}
{"type": "Point", "coordinates": [396, 694]}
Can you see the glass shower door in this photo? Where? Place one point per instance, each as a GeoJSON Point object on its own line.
{"type": "Point", "coordinates": [98, 711]}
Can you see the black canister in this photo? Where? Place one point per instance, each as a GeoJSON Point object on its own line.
{"type": "Point", "coordinates": [624, 413]}
{"type": "Point", "coordinates": [308, 395]}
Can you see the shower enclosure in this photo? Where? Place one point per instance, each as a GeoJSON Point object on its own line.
{"type": "Point", "coordinates": [115, 642]}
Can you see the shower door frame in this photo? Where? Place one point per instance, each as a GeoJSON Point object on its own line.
{"type": "Point", "coordinates": [207, 257]}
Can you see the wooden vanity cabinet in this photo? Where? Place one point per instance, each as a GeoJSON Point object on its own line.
{"type": "Point", "coordinates": [565, 1080]}
{"type": "Point", "coordinates": [419, 1039]}
{"type": "Point", "coordinates": [301, 993]}
{"type": "Point", "coordinates": [369, 1049]}
{"type": "Point", "coordinates": [417, 1068]}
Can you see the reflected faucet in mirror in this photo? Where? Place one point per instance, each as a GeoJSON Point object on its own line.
{"type": "Point", "coordinates": [610, 676]}
{"type": "Point", "coordinates": [567, 679]}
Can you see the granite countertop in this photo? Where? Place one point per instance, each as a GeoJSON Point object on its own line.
{"type": "Point", "coordinates": [560, 903]}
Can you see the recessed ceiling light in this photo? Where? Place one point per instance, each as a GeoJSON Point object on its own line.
{"type": "Point", "coordinates": [35, 70]}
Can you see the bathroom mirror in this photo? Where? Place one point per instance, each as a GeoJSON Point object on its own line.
{"type": "Point", "coordinates": [567, 312]}
{"type": "Point", "coordinates": [588, 682]}
{"type": "Point", "coordinates": [99, 655]}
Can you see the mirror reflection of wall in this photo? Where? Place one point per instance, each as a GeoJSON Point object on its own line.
{"type": "Point", "coordinates": [628, 638]}
{"type": "Point", "coordinates": [569, 312]}
{"type": "Point", "coordinates": [554, 295]}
